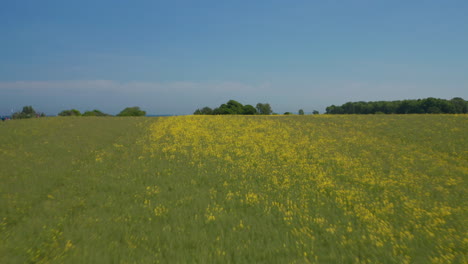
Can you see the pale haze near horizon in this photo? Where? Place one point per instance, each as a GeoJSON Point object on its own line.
{"type": "Point", "coordinates": [173, 57]}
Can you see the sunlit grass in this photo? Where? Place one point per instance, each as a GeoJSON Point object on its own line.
{"type": "Point", "coordinates": [318, 189]}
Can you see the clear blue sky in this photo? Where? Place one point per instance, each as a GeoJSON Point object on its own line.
{"type": "Point", "coordinates": [171, 57]}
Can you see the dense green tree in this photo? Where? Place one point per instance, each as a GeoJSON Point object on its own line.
{"type": "Point", "coordinates": [409, 107]}
{"type": "Point", "coordinates": [433, 110]}
{"type": "Point", "coordinates": [333, 109]}
{"type": "Point", "coordinates": [301, 112]}
{"type": "Point", "coordinates": [207, 110]}
{"type": "Point", "coordinates": [387, 107]}
{"type": "Point", "coordinates": [287, 113]}
{"type": "Point", "coordinates": [204, 111]}
{"type": "Point", "coordinates": [315, 112]}
{"type": "Point", "coordinates": [233, 107]}
{"type": "Point", "coordinates": [95, 112]}
{"type": "Point", "coordinates": [132, 111]}
{"type": "Point", "coordinates": [264, 109]}
{"type": "Point", "coordinates": [430, 104]}
{"type": "Point", "coordinates": [71, 112]}
{"type": "Point", "coordinates": [27, 112]}
{"type": "Point", "coordinates": [223, 110]}
{"type": "Point", "coordinates": [460, 105]}
{"type": "Point", "coordinates": [236, 107]}
{"type": "Point", "coordinates": [420, 106]}
{"type": "Point", "coordinates": [249, 110]}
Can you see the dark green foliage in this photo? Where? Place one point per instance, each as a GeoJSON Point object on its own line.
{"type": "Point", "coordinates": [204, 111]}
{"type": "Point", "coordinates": [27, 112]}
{"type": "Point", "coordinates": [420, 106]}
{"type": "Point", "coordinates": [71, 112]}
{"type": "Point", "coordinates": [232, 107]}
{"type": "Point", "coordinates": [223, 110]}
{"type": "Point", "coordinates": [207, 111]}
{"type": "Point", "coordinates": [95, 112]}
{"type": "Point", "coordinates": [264, 109]}
{"type": "Point", "coordinates": [249, 110]}
{"type": "Point", "coordinates": [315, 112]}
{"type": "Point", "coordinates": [287, 113]}
{"type": "Point", "coordinates": [460, 105]}
{"type": "Point", "coordinates": [132, 111]}
{"type": "Point", "coordinates": [333, 109]}
{"type": "Point", "coordinates": [236, 107]}
{"type": "Point", "coordinates": [301, 112]}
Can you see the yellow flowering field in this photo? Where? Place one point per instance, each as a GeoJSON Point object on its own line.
{"type": "Point", "coordinates": [235, 189]}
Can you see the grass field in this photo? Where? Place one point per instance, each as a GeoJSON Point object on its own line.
{"type": "Point", "coordinates": [235, 189]}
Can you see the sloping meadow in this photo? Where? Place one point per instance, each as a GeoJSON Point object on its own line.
{"type": "Point", "coordinates": [272, 189]}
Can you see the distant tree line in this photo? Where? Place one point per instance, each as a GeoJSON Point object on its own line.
{"type": "Point", "coordinates": [74, 112]}
{"type": "Point", "coordinates": [129, 111]}
{"type": "Point", "coordinates": [429, 105]}
{"type": "Point", "coordinates": [27, 112]}
{"type": "Point", "coordinates": [233, 107]}
{"type": "Point", "coordinates": [132, 111]}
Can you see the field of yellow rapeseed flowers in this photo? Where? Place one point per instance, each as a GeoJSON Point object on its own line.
{"type": "Point", "coordinates": [239, 189]}
{"type": "Point", "coordinates": [345, 188]}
